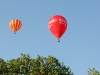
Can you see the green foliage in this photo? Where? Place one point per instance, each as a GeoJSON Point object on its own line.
{"type": "Point", "coordinates": [93, 72]}
{"type": "Point", "coordinates": [25, 65]}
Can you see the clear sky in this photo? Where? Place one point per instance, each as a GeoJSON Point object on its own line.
{"type": "Point", "coordinates": [80, 45]}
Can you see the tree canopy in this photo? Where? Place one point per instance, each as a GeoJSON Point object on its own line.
{"type": "Point", "coordinates": [25, 65]}
{"type": "Point", "coordinates": [93, 71]}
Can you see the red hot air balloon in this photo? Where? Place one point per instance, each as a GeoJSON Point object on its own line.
{"type": "Point", "coordinates": [57, 25]}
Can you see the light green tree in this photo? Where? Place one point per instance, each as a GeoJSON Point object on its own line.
{"type": "Point", "coordinates": [93, 71]}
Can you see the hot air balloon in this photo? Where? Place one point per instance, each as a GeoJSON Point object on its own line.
{"type": "Point", "coordinates": [57, 25]}
{"type": "Point", "coordinates": [15, 25]}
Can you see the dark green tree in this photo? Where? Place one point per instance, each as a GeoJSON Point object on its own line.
{"type": "Point", "coordinates": [3, 67]}
{"type": "Point", "coordinates": [25, 65]}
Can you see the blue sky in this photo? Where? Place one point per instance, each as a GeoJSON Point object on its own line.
{"type": "Point", "coordinates": [80, 45]}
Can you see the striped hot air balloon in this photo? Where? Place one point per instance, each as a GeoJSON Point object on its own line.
{"type": "Point", "coordinates": [15, 25]}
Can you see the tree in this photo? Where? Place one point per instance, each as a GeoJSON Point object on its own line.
{"type": "Point", "coordinates": [3, 66]}
{"type": "Point", "coordinates": [25, 65]}
{"type": "Point", "coordinates": [93, 71]}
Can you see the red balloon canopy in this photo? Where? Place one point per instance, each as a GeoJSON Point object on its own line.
{"type": "Point", "coordinates": [57, 25]}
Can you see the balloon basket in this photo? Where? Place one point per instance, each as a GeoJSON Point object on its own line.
{"type": "Point", "coordinates": [14, 32]}
{"type": "Point", "coordinates": [58, 40]}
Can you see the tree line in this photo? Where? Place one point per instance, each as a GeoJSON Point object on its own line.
{"type": "Point", "coordinates": [25, 65]}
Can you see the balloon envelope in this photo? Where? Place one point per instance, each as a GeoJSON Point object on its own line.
{"type": "Point", "coordinates": [57, 25]}
{"type": "Point", "coordinates": [15, 25]}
